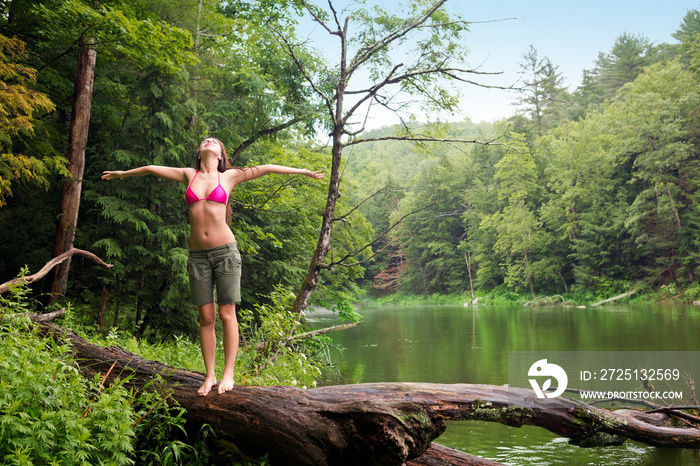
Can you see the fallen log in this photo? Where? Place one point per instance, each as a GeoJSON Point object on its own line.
{"type": "Point", "coordinates": [614, 298]}
{"type": "Point", "coordinates": [5, 287]}
{"type": "Point", "coordinates": [370, 424]}
{"type": "Point", "coordinates": [323, 331]}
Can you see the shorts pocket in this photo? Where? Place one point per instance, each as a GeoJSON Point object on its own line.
{"type": "Point", "coordinates": [196, 270]}
{"type": "Point", "coordinates": [237, 257]}
{"type": "Point", "coordinates": [232, 264]}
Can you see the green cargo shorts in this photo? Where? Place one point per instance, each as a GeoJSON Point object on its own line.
{"type": "Point", "coordinates": [219, 268]}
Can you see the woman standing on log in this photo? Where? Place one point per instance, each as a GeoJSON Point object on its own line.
{"type": "Point", "coordinates": [214, 260]}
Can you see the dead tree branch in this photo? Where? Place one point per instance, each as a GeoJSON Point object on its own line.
{"type": "Point", "coordinates": [5, 287]}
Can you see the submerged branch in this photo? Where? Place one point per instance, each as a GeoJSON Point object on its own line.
{"type": "Point", "coordinates": [614, 298]}
{"type": "Point", "coordinates": [323, 331]}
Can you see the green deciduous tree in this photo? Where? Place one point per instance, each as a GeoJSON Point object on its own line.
{"type": "Point", "coordinates": [19, 103]}
{"type": "Point", "coordinates": [237, 91]}
{"type": "Point", "coordinates": [67, 37]}
{"type": "Point", "coordinates": [520, 236]}
{"type": "Point", "coordinates": [654, 118]}
{"type": "Point", "coordinates": [584, 190]}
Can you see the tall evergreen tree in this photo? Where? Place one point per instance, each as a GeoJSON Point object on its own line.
{"type": "Point", "coordinates": [690, 25]}
{"type": "Point", "coordinates": [612, 70]}
{"type": "Point", "coordinates": [545, 98]}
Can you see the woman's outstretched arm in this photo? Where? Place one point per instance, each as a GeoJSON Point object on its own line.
{"type": "Point", "coordinates": [169, 173]}
{"type": "Point", "coordinates": [250, 173]}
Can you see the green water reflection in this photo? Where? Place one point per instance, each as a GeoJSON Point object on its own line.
{"type": "Point", "coordinates": [456, 344]}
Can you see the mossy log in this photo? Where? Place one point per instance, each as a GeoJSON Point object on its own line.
{"type": "Point", "coordinates": [380, 423]}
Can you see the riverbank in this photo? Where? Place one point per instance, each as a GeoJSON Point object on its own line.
{"type": "Point", "coordinates": [665, 294]}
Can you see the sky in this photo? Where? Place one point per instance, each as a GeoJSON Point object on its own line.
{"type": "Point", "coordinates": [571, 33]}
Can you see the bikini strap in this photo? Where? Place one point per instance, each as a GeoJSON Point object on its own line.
{"type": "Point", "coordinates": [196, 172]}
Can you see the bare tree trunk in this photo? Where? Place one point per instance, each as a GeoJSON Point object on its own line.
{"type": "Point", "coordinates": [615, 298]}
{"type": "Point", "coordinates": [467, 257]}
{"type": "Point", "coordinates": [72, 187]}
{"type": "Point", "coordinates": [117, 299]}
{"type": "Point", "coordinates": [197, 32]}
{"type": "Point", "coordinates": [566, 287]}
{"type": "Point", "coordinates": [313, 275]}
{"type": "Point", "coordinates": [301, 302]}
{"type": "Point", "coordinates": [103, 309]}
{"type": "Point", "coordinates": [341, 120]}
{"type": "Point", "coordinates": [529, 276]}
{"type": "Point", "coordinates": [573, 211]}
{"type": "Point", "coordinates": [139, 307]}
{"type": "Point", "coordinates": [12, 12]}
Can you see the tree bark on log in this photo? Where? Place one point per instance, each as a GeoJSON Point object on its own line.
{"type": "Point", "coordinates": [381, 423]}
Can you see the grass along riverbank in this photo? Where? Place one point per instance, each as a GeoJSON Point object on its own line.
{"type": "Point", "coordinates": [668, 294]}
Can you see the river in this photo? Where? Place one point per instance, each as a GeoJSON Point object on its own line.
{"type": "Point", "coordinates": [458, 344]}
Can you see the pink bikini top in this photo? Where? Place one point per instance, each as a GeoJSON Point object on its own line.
{"type": "Point", "coordinates": [217, 195]}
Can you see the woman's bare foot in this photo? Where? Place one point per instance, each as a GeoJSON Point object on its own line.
{"type": "Point", "coordinates": [206, 386]}
{"type": "Point", "coordinates": [226, 384]}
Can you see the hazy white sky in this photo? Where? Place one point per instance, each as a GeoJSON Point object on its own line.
{"type": "Point", "coordinates": [570, 33]}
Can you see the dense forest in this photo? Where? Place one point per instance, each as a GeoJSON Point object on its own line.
{"type": "Point", "coordinates": [590, 190]}
{"type": "Point", "coordinates": [586, 192]}
{"type": "Point", "coordinates": [165, 76]}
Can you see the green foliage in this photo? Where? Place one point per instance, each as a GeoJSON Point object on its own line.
{"type": "Point", "coordinates": [520, 238]}
{"type": "Point", "coordinates": [49, 414]}
{"type": "Point", "coordinates": [270, 355]}
{"type": "Point", "coordinates": [275, 221]}
{"type": "Point", "coordinates": [692, 294]}
{"type": "Point", "coordinates": [626, 60]}
{"type": "Point", "coordinates": [605, 201]}
{"type": "Point", "coordinates": [119, 30]}
{"type": "Point", "coordinates": [545, 98]}
{"type": "Point", "coordinates": [19, 103]}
